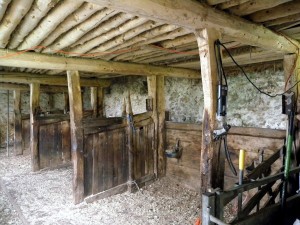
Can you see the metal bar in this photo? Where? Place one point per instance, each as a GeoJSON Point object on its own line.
{"type": "Point", "coordinates": [208, 207]}
{"type": "Point", "coordinates": [7, 128]}
{"type": "Point", "coordinates": [217, 221]}
{"type": "Point", "coordinates": [230, 194]}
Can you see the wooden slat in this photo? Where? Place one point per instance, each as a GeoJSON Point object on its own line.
{"type": "Point", "coordinates": [110, 159]}
{"type": "Point", "coordinates": [88, 164]}
{"type": "Point", "coordinates": [183, 126]}
{"type": "Point", "coordinates": [44, 148]}
{"type": "Point", "coordinates": [66, 141]}
{"type": "Point", "coordinates": [283, 10]}
{"type": "Point", "coordinates": [116, 156]}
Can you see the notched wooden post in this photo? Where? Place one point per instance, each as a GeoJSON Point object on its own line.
{"type": "Point", "coordinates": [77, 137]}
{"type": "Point", "coordinates": [18, 146]}
{"type": "Point", "coordinates": [34, 126]}
{"type": "Point", "coordinates": [211, 176]}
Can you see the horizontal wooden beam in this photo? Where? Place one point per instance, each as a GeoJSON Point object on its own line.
{"type": "Point", "coordinates": [194, 15]}
{"type": "Point", "coordinates": [28, 78]}
{"type": "Point", "coordinates": [24, 87]}
{"type": "Point", "coordinates": [52, 62]}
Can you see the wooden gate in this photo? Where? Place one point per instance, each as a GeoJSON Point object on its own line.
{"type": "Point", "coordinates": [54, 144]}
{"type": "Point", "coordinates": [106, 161]}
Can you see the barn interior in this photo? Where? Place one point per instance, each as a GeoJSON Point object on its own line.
{"type": "Point", "coordinates": [135, 112]}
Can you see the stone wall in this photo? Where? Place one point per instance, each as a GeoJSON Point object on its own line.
{"type": "Point", "coordinates": [184, 100]}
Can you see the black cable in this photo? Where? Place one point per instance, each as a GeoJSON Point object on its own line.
{"type": "Point", "coordinates": [244, 73]}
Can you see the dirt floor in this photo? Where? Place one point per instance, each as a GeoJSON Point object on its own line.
{"type": "Point", "coordinates": [45, 197]}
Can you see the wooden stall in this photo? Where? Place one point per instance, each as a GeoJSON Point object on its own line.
{"type": "Point", "coordinates": [186, 169]}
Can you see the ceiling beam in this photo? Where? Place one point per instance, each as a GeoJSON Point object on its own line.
{"type": "Point", "coordinates": [28, 78]}
{"type": "Point", "coordinates": [52, 62]}
{"type": "Point", "coordinates": [24, 87]}
{"type": "Point", "coordinates": [194, 15]}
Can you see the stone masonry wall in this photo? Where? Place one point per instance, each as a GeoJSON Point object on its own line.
{"type": "Point", "coordinates": [184, 100]}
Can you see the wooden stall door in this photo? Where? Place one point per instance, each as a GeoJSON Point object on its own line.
{"type": "Point", "coordinates": [54, 144]}
{"type": "Point", "coordinates": [144, 151]}
{"type": "Point", "coordinates": [106, 162]}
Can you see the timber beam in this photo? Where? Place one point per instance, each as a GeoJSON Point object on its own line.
{"type": "Point", "coordinates": [28, 78]}
{"type": "Point", "coordinates": [194, 15]}
{"type": "Point", "coordinates": [52, 62]}
{"type": "Point", "coordinates": [25, 88]}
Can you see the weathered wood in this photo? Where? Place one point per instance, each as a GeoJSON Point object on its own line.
{"type": "Point", "coordinates": [25, 88]}
{"type": "Point", "coordinates": [18, 148]}
{"type": "Point", "coordinates": [143, 116]}
{"type": "Point", "coordinates": [194, 15]}
{"type": "Point", "coordinates": [34, 126]}
{"type": "Point", "coordinates": [130, 145]}
{"type": "Point", "coordinates": [11, 19]}
{"type": "Point", "coordinates": [152, 93]}
{"type": "Point", "coordinates": [254, 6]}
{"type": "Point", "coordinates": [76, 115]}
{"type": "Point", "coordinates": [43, 61]}
{"type": "Point", "coordinates": [283, 10]}
{"type": "Point", "coordinates": [209, 164]}
{"type": "Point", "coordinates": [88, 164]}
{"type": "Point", "coordinates": [161, 137]}
{"type": "Point", "coordinates": [27, 78]}
{"type": "Point", "coordinates": [101, 122]}
{"type": "Point", "coordinates": [183, 126]}
{"type": "Point", "coordinates": [66, 141]}
{"type": "Point", "coordinates": [49, 23]}
{"type": "Point", "coordinates": [257, 132]}
{"type": "Point", "coordinates": [113, 191]}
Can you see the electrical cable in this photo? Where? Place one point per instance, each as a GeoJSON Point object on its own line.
{"type": "Point", "coordinates": [247, 77]}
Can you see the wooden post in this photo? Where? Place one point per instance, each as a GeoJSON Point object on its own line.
{"type": "Point", "coordinates": [156, 92]}
{"type": "Point", "coordinates": [77, 137]}
{"type": "Point", "coordinates": [161, 125]}
{"type": "Point", "coordinates": [34, 126]}
{"type": "Point", "coordinates": [151, 81]}
{"type": "Point", "coordinates": [18, 148]}
{"type": "Point", "coordinates": [97, 101]}
{"type": "Point", "coordinates": [211, 176]}
{"type": "Point", "coordinates": [131, 175]}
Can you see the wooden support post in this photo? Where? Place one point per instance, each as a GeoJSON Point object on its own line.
{"type": "Point", "coordinates": [156, 92]}
{"type": "Point", "coordinates": [161, 125]}
{"type": "Point", "coordinates": [18, 147]}
{"type": "Point", "coordinates": [151, 81]}
{"type": "Point", "coordinates": [211, 176]}
{"type": "Point", "coordinates": [97, 101]}
{"type": "Point", "coordinates": [130, 127]}
{"type": "Point", "coordinates": [76, 114]}
{"type": "Point", "coordinates": [34, 126]}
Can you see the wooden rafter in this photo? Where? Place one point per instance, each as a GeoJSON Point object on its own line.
{"type": "Point", "coordinates": [195, 15]}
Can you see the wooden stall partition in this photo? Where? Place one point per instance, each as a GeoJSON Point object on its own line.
{"type": "Point", "coordinates": [186, 170]}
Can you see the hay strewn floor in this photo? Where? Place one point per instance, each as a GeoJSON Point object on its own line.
{"type": "Point", "coordinates": [45, 198]}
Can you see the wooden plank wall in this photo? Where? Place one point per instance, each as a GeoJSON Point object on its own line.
{"type": "Point", "coordinates": [54, 144]}
{"type": "Point", "coordinates": [186, 169]}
